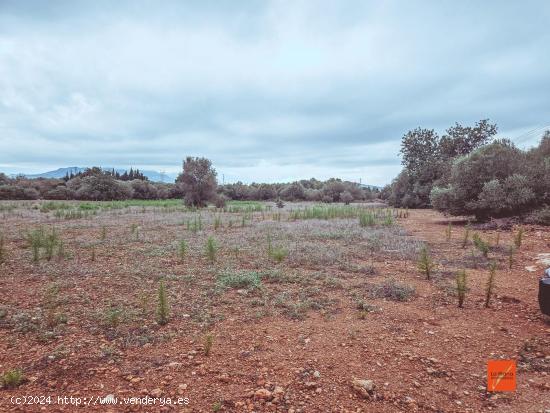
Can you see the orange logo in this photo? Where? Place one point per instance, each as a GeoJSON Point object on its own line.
{"type": "Point", "coordinates": [501, 375]}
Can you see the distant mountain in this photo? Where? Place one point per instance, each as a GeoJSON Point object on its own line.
{"type": "Point", "coordinates": [59, 173]}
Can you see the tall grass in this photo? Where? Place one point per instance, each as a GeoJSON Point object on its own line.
{"type": "Point", "coordinates": [335, 212]}
{"type": "Point", "coordinates": [367, 219]}
{"type": "Point", "coordinates": [244, 206]}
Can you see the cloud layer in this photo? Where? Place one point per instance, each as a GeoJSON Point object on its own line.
{"type": "Point", "coordinates": [274, 90]}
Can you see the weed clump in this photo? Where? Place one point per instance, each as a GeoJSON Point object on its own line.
{"type": "Point", "coordinates": [448, 232]}
{"type": "Point", "coordinates": [392, 290]}
{"type": "Point", "coordinates": [12, 378]}
{"type": "Point", "coordinates": [511, 257]}
{"type": "Point", "coordinates": [242, 279]}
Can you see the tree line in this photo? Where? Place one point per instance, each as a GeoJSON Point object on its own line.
{"type": "Point", "coordinates": [197, 185]}
{"type": "Point", "coordinates": [468, 172]}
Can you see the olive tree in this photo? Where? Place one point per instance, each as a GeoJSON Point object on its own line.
{"type": "Point", "coordinates": [198, 181]}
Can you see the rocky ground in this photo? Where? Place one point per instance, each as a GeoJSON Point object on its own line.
{"type": "Point", "coordinates": [340, 324]}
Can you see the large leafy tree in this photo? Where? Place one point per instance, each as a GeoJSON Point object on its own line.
{"type": "Point", "coordinates": [427, 160]}
{"type": "Point", "coordinates": [198, 181]}
{"type": "Point", "coordinates": [461, 140]}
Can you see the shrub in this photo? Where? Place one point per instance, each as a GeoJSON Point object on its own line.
{"type": "Point", "coordinates": [143, 189]}
{"type": "Point", "coordinates": [220, 201]}
{"type": "Point", "coordinates": [461, 287]}
{"type": "Point", "coordinates": [425, 263]}
{"type": "Point", "coordinates": [12, 378]}
{"type": "Point", "coordinates": [242, 279]}
{"type": "Point", "coordinates": [490, 283]}
{"type": "Point", "coordinates": [539, 217]}
{"type": "Point", "coordinates": [481, 245]}
{"type": "Point", "coordinates": [346, 197]}
{"type": "Point", "coordinates": [101, 188]}
{"type": "Point", "coordinates": [211, 249]}
{"type": "Point", "coordinates": [162, 305]}
{"type": "Point", "coordinates": [279, 254]}
{"type": "Point", "coordinates": [496, 180]}
{"type": "Point", "coordinates": [279, 203]}
{"type": "Point", "coordinates": [392, 290]}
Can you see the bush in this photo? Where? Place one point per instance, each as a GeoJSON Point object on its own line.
{"type": "Point", "coordinates": [12, 378]}
{"type": "Point", "coordinates": [101, 188]}
{"type": "Point", "coordinates": [539, 217]}
{"type": "Point", "coordinates": [392, 290]}
{"type": "Point", "coordinates": [346, 197]}
{"type": "Point", "coordinates": [243, 279]}
{"type": "Point", "coordinates": [496, 180]}
{"type": "Point", "coordinates": [220, 201]}
{"type": "Point", "coordinates": [143, 189]}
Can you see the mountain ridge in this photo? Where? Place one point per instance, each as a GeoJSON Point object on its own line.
{"type": "Point", "coordinates": [59, 173]}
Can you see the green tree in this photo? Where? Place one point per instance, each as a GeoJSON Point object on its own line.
{"type": "Point", "coordinates": [198, 181]}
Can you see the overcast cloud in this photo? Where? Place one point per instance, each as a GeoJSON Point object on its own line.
{"type": "Point", "coordinates": [269, 90]}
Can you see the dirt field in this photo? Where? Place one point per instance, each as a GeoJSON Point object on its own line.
{"type": "Point", "coordinates": [282, 314]}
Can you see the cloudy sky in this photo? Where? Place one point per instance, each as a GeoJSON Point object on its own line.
{"type": "Point", "coordinates": [269, 90]}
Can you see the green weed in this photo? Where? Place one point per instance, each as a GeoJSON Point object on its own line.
{"type": "Point", "coordinates": [461, 287]}
{"type": "Point", "coordinates": [162, 305]}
